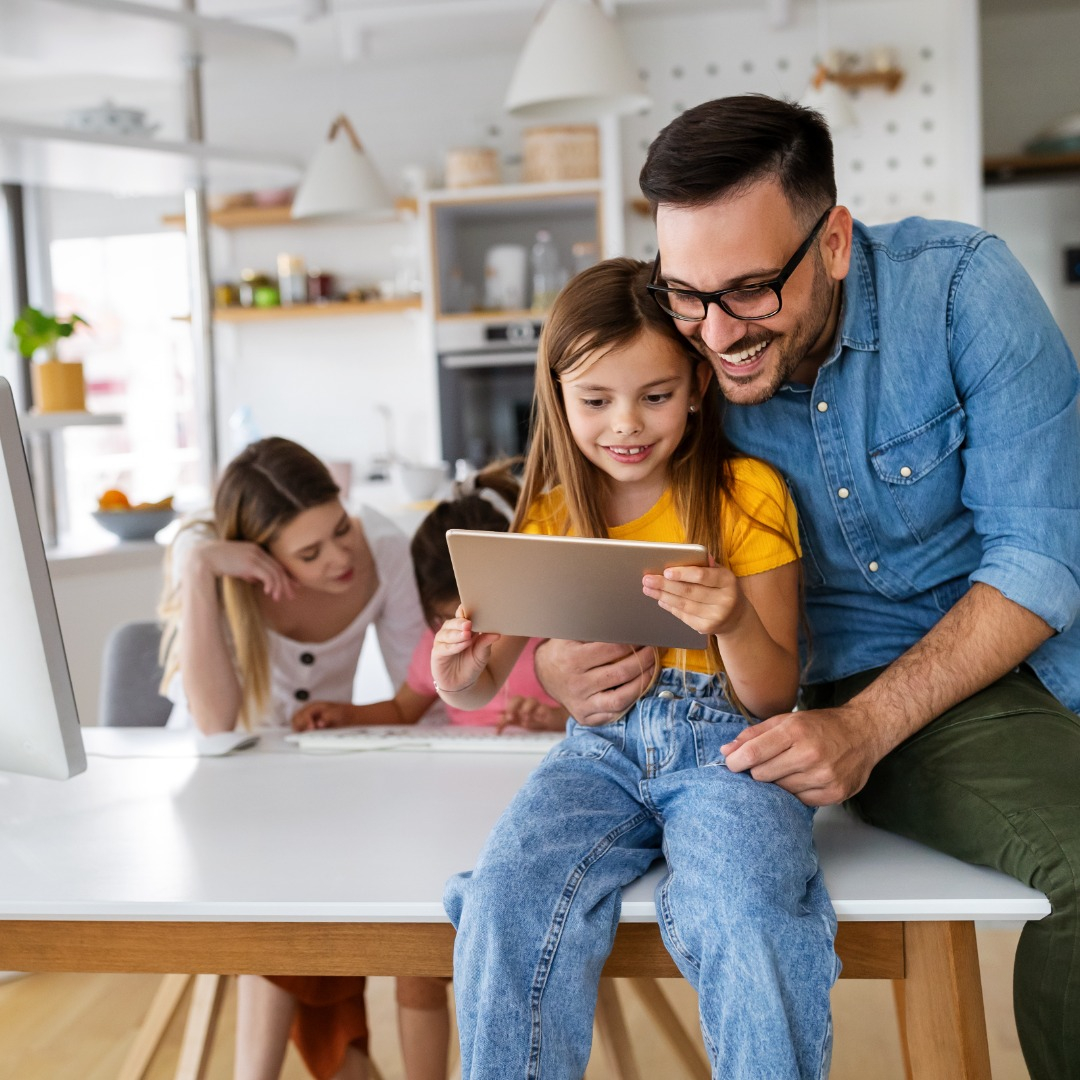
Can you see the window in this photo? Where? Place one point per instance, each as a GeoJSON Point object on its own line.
{"type": "Point", "coordinates": [138, 362]}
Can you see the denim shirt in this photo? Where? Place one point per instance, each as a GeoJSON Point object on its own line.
{"type": "Point", "coordinates": [938, 446]}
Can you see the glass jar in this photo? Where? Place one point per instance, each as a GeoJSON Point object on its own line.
{"type": "Point", "coordinates": [250, 280]}
{"type": "Point", "coordinates": [292, 279]}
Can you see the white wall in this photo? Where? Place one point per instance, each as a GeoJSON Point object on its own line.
{"type": "Point", "coordinates": [1030, 74]}
{"type": "Point", "coordinates": [1038, 221]}
{"type": "Point", "coordinates": [93, 596]}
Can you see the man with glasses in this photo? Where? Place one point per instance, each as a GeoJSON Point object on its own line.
{"type": "Point", "coordinates": [912, 387]}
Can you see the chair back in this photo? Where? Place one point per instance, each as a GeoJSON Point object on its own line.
{"type": "Point", "coordinates": [130, 677]}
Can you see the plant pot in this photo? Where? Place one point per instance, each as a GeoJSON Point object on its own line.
{"type": "Point", "coordinates": [58, 386]}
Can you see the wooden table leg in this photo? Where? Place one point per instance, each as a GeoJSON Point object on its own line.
{"type": "Point", "coordinates": [901, 1023]}
{"type": "Point", "coordinates": [611, 1027]}
{"type": "Point", "coordinates": [687, 1048]}
{"type": "Point", "coordinates": [206, 1001]}
{"type": "Point", "coordinates": [946, 1023]}
{"type": "Point", "coordinates": [169, 992]}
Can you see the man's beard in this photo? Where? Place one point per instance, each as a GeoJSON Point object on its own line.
{"type": "Point", "coordinates": [789, 349]}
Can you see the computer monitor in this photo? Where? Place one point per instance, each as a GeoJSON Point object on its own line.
{"type": "Point", "coordinates": [39, 725]}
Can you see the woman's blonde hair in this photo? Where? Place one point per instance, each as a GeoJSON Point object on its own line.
{"type": "Point", "coordinates": [603, 308]}
{"type": "Point", "coordinates": [261, 490]}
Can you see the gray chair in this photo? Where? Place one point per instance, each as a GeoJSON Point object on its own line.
{"type": "Point", "coordinates": [130, 676]}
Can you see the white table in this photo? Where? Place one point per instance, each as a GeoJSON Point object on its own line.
{"type": "Point", "coordinates": [272, 861]}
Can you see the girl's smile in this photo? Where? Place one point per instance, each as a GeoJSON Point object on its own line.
{"type": "Point", "coordinates": [629, 454]}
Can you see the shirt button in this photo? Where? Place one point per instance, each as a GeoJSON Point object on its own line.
{"type": "Point", "coordinates": [301, 695]}
{"type": "Point", "coordinates": [843, 493]}
{"type": "Point", "coordinates": [666, 695]}
{"type": "Point", "coordinates": [307, 658]}
{"type": "Point", "coordinates": [822, 406]}
{"type": "Point", "coordinates": [905, 471]}
{"type": "Point", "coordinates": [873, 568]}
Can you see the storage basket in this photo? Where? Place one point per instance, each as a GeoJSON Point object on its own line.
{"type": "Point", "coordinates": [472, 166]}
{"type": "Point", "coordinates": [565, 152]}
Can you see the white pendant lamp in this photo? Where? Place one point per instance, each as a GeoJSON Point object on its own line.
{"type": "Point", "coordinates": [574, 67]}
{"type": "Point", "coordinates": [341, 179]}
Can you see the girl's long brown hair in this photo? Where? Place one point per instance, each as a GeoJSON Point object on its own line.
{"type": "Point", "coordinates": [261, 490]}
{"type": "Point", "coordinates": [608, 307]}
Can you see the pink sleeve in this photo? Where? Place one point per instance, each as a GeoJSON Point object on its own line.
{"type": "Point", "coordinates": [419, 674]}
{"type": "Point", "coordinates": [522, 680]}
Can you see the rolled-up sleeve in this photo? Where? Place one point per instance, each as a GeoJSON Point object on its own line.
{"type": "Point", "coordinates": [1020, 389]}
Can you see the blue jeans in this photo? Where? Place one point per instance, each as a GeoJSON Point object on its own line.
{"type": "Point", "coordinates": [742, 909]}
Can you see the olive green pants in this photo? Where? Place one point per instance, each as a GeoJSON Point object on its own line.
{"type": "Point", "coordinates": [996, 781]}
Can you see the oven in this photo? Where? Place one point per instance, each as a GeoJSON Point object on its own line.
{"type": "Point", "coordinates": [486, 377]}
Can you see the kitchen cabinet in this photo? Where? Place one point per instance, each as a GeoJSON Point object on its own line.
{"type": "Point", "coordinates": [463, 224]}
{"type": "Point", "coordinates": [1016, 168]}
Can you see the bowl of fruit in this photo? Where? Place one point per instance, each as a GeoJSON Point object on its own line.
{"type": "Point", "coordinates": [132, 521]}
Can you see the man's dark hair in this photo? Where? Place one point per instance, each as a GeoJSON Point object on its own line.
{"type": "Point", "coordinates": [722, 147]}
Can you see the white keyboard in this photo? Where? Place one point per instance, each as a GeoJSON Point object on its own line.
{"type": "Point", "coordinates": [455, 738]}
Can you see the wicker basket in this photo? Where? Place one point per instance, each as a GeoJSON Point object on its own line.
{"type": "Point", "coordinates": [472, 166]}
{"type": "Point", "coordinates": [566, 152]}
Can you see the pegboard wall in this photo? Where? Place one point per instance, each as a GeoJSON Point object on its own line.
{"type": "Point", "coordinates": [914, 151]}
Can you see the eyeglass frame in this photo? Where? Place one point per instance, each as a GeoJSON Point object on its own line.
{"type": "Point", "coordinates": [776, 284]}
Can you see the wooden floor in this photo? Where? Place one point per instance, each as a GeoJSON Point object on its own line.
{"type": "Point", "coordinates": [78, 1027]}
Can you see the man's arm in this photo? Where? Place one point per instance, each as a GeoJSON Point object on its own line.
{"type": "Point", "coordinates": [824, 756]}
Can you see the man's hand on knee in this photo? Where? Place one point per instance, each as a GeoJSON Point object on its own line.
{"type": "Point", "coordinates": [595, 681]}
{"type": "Point", "coordinates": [822, 756]}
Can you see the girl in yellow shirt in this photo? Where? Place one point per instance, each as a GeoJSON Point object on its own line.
{"type": "Point", "coordinates": [628, 443]}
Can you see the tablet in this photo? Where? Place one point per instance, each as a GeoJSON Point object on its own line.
{"type": "Point", "coordinates": [569, 587]}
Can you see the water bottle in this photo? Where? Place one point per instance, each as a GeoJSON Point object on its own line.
{"type": "Point", "coordinates": [546, 272]}
{"type": "Point", "coordinates": [242, 429]}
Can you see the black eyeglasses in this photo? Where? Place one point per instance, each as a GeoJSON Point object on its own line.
{"type": "Point", "coordinates": [747, 302]}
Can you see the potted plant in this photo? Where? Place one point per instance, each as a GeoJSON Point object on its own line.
{"type": "Point", "coordinates": [57, 384]}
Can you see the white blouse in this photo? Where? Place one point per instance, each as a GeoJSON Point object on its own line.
{"type": "Point", "coordinates": [324, 671]}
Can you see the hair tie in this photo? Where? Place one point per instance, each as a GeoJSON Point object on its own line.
{"type": "Point", "coordinates": [464, 487]}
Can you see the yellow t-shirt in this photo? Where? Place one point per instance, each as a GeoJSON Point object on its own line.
{"type": "Point", "coordinates": [762, 504]}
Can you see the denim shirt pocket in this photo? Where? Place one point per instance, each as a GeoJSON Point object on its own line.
{"type": "Point", "coordinates": [922, 470]}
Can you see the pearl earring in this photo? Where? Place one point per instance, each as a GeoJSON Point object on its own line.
{"type": "Point", "coordinates": [693, 409]}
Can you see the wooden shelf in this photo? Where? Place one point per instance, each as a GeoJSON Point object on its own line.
{"type": "Point", "coordinates": [314, 311]}
{"type": "Point", "coordinates": [259, 217]}
{"type": "Point", "coordinates": [486, 316]}
{"type": "Point", "coordinates": [888, 79]}
{"type": "Point", "coordinates": [1014, 168]}
{"type": "Point", "coordinates": [490, 196]}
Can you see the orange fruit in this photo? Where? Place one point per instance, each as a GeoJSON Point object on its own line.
{"type": "Point", "coordinates": [114, 499]}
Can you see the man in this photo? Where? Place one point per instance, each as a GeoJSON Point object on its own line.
{"type": "Point", "coordinates": [912, 387]}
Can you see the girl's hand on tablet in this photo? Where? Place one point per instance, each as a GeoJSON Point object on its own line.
{"type": "Point", "coordinates": [708, 598]}
{"type": "Point", "coordinates": [459, 656]}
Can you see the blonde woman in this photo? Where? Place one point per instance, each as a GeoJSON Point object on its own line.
{"type": "Point", "coordinates": [267, 606]}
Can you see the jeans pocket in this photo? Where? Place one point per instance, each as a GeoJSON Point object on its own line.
{"type": "Point", "coordinates": [712, 728]}
{"type": "Point", "coordinates": [592, 741]}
